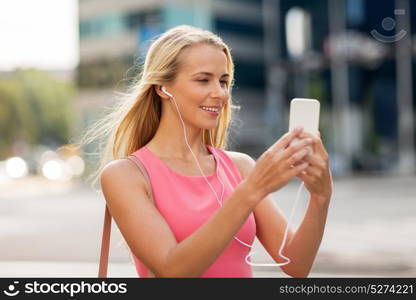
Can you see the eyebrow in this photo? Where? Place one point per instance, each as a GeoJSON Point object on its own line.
{"type": "Point", "coordinates": [210, 74]}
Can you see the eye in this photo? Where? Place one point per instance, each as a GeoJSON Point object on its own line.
{"type": "Point", "coordinates": [222, 81]}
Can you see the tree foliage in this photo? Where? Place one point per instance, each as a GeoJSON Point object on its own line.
{"type": "Point", "coordinates": [35, 108]}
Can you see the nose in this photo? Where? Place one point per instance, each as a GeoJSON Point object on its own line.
{"type": "Point", "coordinates": [219, 92]}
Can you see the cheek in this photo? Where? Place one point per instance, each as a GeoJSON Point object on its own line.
{"type": "Point", "coordinates": [196, 96]}
{"type": "Point", "coordinates": [226, 95]}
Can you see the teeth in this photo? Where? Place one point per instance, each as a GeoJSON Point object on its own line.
{"type": "Point", "coordinates": [210, 109]}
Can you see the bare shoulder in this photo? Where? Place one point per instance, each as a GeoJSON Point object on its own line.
{"type": "Point", "coordinates": [123, 172]}
{"type": "Point", "coordinates": [137, 216]}
{"type": "Point", "coordinates": [243, 161]}
{"type": "Point", "coordinates": [118, 168]}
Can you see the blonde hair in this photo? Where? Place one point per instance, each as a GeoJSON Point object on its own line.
{"type": "Point", "coordinates": [135, 117]}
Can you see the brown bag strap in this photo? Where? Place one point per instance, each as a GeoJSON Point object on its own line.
{"type": "Point", "coordinates": [105, 242]}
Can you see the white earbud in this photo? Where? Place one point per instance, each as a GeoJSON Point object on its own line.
{"type": "Point", "coordinates": [166, 92]}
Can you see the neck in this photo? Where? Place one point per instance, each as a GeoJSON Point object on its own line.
{"type": "Point", "coordinates": [169, 141]}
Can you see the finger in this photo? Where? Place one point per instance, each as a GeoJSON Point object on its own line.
{"type": "Point", "coordinates": [288, 152]}
{"type": "Point", "coordinates": [295, 170]}
{"type": "Point", "coordinates": [314, 160]}
{"type": "Point", "coordinates": [297, 157]}
{"type": "Point", "coordinates": [313, 171]}
{"type": "Point", "coordinates": [286, 139]}
{"type": "Point", "coordinates": [304, 177]}
{"type": "Point", "coordinates": [318, 146]}
{"type": "Point", "coordinates": [306, 134]}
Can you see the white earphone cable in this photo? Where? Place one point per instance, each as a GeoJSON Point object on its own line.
{"type": "Point", "coordinates": [223, 188]}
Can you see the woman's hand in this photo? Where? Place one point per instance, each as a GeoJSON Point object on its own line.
{"type": "Point", "coordinates": [275, 167]}
{"type": "Point", "coordinates": [317, 176]}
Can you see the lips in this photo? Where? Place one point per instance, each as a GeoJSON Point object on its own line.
{"type": "Point", "coordinates": [210, 109]}
{"type": "Point", "coordinates": [218, 108]}
{"type": "Point", "coordinates": [213, 113]}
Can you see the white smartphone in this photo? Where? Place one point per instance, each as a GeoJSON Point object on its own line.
{"type": "Point", "coordinates": [304, 112]}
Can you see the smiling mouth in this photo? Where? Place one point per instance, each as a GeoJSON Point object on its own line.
{"type": "Point", "coordinates": [210, 109]}
{"type": "Point", "coordinates": [214, 113]}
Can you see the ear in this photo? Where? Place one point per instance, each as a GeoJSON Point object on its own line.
{"type": "Point", "coordinates": [158, 89]}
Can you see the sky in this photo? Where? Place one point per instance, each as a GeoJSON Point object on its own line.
{"type": "Point", "coordinates": [39, 33]}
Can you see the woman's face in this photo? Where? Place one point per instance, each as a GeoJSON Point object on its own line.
{"type": "Point", "coordinates": [201, 82]}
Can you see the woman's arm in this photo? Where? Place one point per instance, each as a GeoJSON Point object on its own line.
{"type": "Point", "coordinates": [150, 237]}
{"type": "Point", "coordinates": [301, 247]}
{"type": "Point", "coordinates": [318, 181]}
{"type": "Point", "coordinates": [304, 244]}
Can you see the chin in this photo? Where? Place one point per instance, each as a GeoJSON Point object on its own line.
{"type": "Point", "coordinates": [207, 125]}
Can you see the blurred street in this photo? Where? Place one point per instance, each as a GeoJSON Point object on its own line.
{"type": "Point", "coordinates": [53, 229]}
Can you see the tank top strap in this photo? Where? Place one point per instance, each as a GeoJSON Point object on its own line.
{"type": "Point", "coordinates": [229, 164]}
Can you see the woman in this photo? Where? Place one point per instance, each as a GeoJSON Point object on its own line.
{"type": "Point", "coordinates": [175, 122]}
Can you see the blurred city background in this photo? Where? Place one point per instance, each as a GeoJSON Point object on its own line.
{"type": "Point", "coordinates": [62, 63]}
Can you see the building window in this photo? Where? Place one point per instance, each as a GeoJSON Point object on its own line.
{"type": "Point", "coordinates": [102, 25]}
{"type": "Point", "coordinates": [140, 18]}
{"type": "Point", "coordinates": [238, 28]}
{"type": "Point", "coordinates": [249, 74]}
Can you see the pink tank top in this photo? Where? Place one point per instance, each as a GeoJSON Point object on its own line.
{"type": "Point", "coordinates": [187, 202]}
